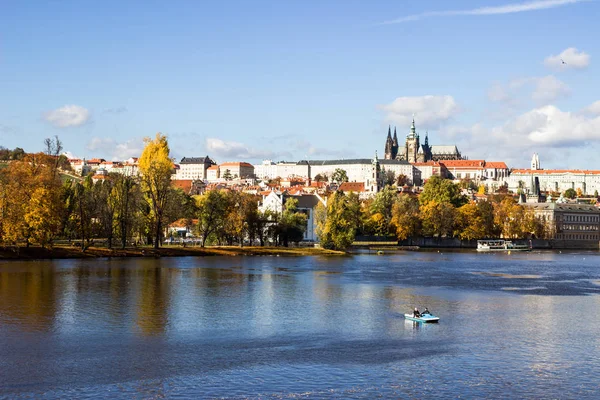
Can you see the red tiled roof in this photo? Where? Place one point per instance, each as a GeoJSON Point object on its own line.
{"type": "Point", "coordinates": [183, 184]}
{"type": "Point", "coordinates": [214, 167]}
{"type": "Point", "coordinates": [352, 187]}
{"type": "Point", "coordinates": [237, 164]}
{"type": "Point", "coordinates": [463, 163]}
{"type": "Point", "coordinates": [496, 164]}
{"type": "Point", "coordinates": [427, 164]}
{"type": "Point", "coordinates": [555, 171]}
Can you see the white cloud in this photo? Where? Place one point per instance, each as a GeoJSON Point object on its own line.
{"type": "Point", "coordinates": [549, 88]}
{"type": "Point", "coordinates": [505, 9]}
{"type": "Point", "coordinates": [430, 111]}
{"type": "Point", "coordinates": [570, 58]}
{"type": "Point", "coordinates": [235, 150]}
{"type": "Point", "coordinates": [549, 126]}
{"type": "Point", "coordinates": [67, 116]}
{"type": "Point", "coordinates": [111, 149]}
{"type": "Point", "coordinates": [593, 109]}
{"type": "Point", "coordinates": [544, 90]}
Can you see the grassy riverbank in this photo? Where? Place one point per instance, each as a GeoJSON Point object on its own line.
{"type": "Point", "coordinates": [36, 252]}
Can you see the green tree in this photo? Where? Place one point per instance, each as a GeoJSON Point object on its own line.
{"type": "Point", "coordinates": [389, 177]}
{"type": "Point", "coordinates": [381, 210]}
{"type": "Point", "coordinates": [339, 176]}
{"type": "Point", "coordinates": [212, 210]}
{"type": "Point", "coordinates": [227, 175]}
{"type": "Point", "coordinates": [292, 224]}
{"type": "Point", "coordinates": [570, 193]}
{"type": "Point", "coordinates": [338, 229]}
{"type": "Point", "coordinates": [441, 191]}
{"type": "Point", "coordinates": [156, 168]}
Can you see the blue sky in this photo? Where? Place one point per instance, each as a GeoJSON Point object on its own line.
{"type": "Point", "coordinates": [295, 79]}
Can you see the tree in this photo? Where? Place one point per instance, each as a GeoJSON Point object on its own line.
{"type": "Point", "coordinates": [579, 192]}
{"type": "Point", "coordinates": [124, 199]}
{"type": "Point", "coordinates": [570, 193]}
{"type": "Point", "coordinates": [596, 193]}
{"type": "Point", "coordinates": [156, 168]}
{"type": "Point", "coordinates": [441, 191]}
{"type": "Point", "coordinates": [389, 177]}
{"type": "Point", "coordinates": [338, 229]}
{"type": "Point", "coordinates": [212, 209]}
{"type": "Point", "coordinates": [339, 176]}
{"type": "Point", "coordinates": [509, 217]}
{"type": "Point", "coordinates": [292, 224]}
{"type": "Point", "coordinates": [438, 218]}
{"type": "Point", "coordinates": [381, 210]}
{"type": "Point", "coordinates": [227, 175]}
{"type": "Point", "coordinates": [405, 217]}
{"type": "Point", "coordinates": [321, 178]}
{"type": "Point", "coordinates": [401, 180]}
{"type": "Point", "coordinates": [469, 223]}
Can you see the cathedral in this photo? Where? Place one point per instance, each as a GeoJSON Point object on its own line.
{"type": "Point", "coordinates": [413, 151]}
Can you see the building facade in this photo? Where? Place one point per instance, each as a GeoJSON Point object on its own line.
{"type": "Point", "coordinates": [569, 221]}
{"type": "Point", "coordinates": [193, 168]}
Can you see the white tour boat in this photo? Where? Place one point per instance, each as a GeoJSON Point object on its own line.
{"type": "Point", "coordinates": [501, 245]}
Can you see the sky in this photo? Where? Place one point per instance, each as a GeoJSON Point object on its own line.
{"type": "Point", "coordinates": [292, 80]}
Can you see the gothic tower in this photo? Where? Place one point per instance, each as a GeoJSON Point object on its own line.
{"type": "Point", "coordinates": [395, 145]}
{"type": "Point", "coordinates": [535, 162]}
{"type": "Point", "coordinates": [389, 146]}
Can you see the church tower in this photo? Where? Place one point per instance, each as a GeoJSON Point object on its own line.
{"type": "Point", "coordinates": [535, 162]}
{"type": "Point", "coordinates": [412, 144]}
{"type": "Point", "coordinates": [389, 146]}
{"type": "Point", "coordinates": [395, 145]}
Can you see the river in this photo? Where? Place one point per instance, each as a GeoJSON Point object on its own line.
{"type": "Point", "coordinates": [520, 325]}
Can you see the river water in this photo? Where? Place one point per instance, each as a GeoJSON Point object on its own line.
{"type": "Point", "coordinates": [521, 325]}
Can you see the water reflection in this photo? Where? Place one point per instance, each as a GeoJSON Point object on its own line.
{"type": "Point", "coordinates": [169, 327]}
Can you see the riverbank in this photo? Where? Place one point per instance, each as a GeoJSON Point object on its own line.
{"type": "Point", "coordinates": [64, 252]}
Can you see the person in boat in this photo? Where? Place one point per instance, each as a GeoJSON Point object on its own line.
{"type": "Point", "coordinates": [426, 311]}
{"type": "Point", "coordinates": [416, 313]}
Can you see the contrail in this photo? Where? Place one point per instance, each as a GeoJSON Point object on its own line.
{"type": "Point", "coordinates": [506, 9]}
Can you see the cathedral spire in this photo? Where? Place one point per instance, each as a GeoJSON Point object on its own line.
{"type": "Point", "coordinates": [395, 137]}
{"type": "Point", "coordinates": [389, 132]}
{"type": "Point", "coordinates": [426, 138]}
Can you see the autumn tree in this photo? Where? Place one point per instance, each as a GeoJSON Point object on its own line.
{"type": "Point", "coordinates": [292, 224]}
{"type": "Point", "coordinates": [338, 229]}
{"type": "Point", "coordinates": [211, 212]}
{"type": "Point", "coordinates": [381, 210]}
{"type": "Point", "coordinates": [438, 218]}
{"type": "Point", "coordinates": [124, 199]}
{"type": "Point", "coordinates": [441, 191]}
{"type": "Point", "coordinates": [406, 217]}
{"type": "Point", "coordinates": [156, 168]}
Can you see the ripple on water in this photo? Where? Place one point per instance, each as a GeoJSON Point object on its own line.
{"type": "Point", "coordinates": [507, 276]}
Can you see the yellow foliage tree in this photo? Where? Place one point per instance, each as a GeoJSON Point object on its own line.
{"type": "Point", "coordinates": [156, 168]}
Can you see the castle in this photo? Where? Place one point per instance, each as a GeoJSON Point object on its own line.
{"type": "Point", "coordinates": [415, 152]}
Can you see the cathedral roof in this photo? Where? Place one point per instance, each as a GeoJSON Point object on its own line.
{"type": "Point", "coordinates": [444, 150]}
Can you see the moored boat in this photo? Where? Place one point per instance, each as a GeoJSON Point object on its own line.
{"type": "Point", "coordinates": [501, 245]}
{"type": "Point", "coordinates": [423, 318]}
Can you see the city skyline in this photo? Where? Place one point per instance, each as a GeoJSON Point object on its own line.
{"type": "Point", "coordinates": [242, 82]}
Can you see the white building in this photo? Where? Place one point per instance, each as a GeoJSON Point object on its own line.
{"type": "Point", "coordinates": [193, 168]}
{"type": "Point", "coordinates": [283, 169]}
{"type": "Point", "coordinates": [307, 203]}
{"type": "Point", "coordinates": [554, 180]}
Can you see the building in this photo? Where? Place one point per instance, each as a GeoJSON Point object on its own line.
{"type": "Point", "coordinates": [193, 168]}
{"type": "Point", "coordinates": [235, 170]}
{"type": "Point", "coordinates": [554, 180]}
{"type": "Point", "coordinates": [569, 221]}
{"type": "Point", "coordinates": [429, 169]}
{"type": "Point", "coordinates": [307, 203]}
{"type": "Point", "coordinates": [413, 151]}
{"type": "Point", "coordinates": [283, 169]}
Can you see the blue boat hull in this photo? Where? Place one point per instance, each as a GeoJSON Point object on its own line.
{"type": "Point", "coordinates": [427, 318]}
